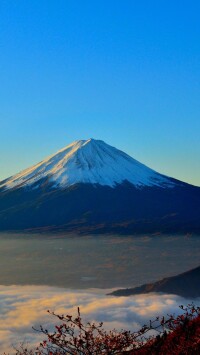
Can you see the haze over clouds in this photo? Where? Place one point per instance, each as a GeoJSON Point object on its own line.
{"type": "Point", "coordinates": [116, 261]}
{"type": "Point", "coordinates": [22, 307]}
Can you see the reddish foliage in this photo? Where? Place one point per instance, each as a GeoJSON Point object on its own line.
{"type": "Point", "coordinates": [174, 335]}
{"type": "Point", "coordinates": [184, 339]}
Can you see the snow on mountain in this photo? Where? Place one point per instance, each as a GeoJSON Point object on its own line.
{"type": "Point", "coordinates": [89, 161]}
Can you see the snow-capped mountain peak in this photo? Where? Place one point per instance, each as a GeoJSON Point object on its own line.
{"type": "Point", "coordinates": [88, 161]}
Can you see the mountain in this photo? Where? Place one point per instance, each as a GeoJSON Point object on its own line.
{"type": "Point", "coordinates": [185, 285]}
{"type": "Point", "coordinates": [91, 187]}
{"type": "Point", "coordinates": [92, 162]}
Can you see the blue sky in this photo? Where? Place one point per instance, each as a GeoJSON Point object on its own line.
{"type": "Point", "coordinates": [127, 72]}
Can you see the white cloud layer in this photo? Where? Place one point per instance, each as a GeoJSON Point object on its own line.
{"type": "Point", "coordinates": [22, 307]}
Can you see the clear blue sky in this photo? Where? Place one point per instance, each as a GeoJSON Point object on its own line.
{"type": "Point", "coordinates": [126, 72]}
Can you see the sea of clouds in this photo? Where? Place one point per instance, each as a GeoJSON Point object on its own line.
{"type": "Point", "coordinates": [22, 307]}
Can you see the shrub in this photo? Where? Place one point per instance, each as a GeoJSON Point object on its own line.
{"type": "Point", "coordinates": [172, 335]}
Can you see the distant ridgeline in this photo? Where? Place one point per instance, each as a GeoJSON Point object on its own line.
{"type": "Point", "coordinates": [91, 187]}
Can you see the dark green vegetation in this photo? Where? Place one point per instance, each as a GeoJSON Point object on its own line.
{"type": "Point", "coordinates": [86, 208]}
{"type": "Point", "coordinates": [185, 285]}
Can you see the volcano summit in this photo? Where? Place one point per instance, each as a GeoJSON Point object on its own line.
{"type": "Point", "coordinates": [91, 187]}
{"type": "Point", "coordinates": [88, 161]}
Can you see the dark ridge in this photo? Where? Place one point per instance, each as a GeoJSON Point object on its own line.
{"type": "Point", "coordinates": [186, 285]}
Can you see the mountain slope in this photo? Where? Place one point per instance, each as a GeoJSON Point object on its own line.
{"type": "Point", "coordinates": [91, 187]}
{"type": "Point", "coordinates": [185, 285]}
